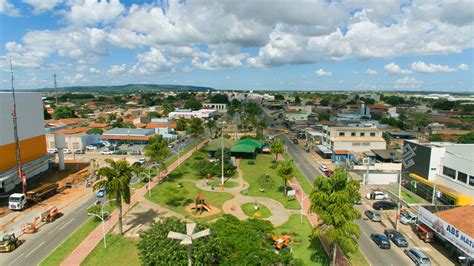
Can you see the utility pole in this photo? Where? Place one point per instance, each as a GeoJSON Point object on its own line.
{"type": "Point", "coordinates": [222, 155]}
{"type": "Point", "coordinates": [17, 141]}
{"type": "Point", "coordinates": [433, 196]}
{"type": "Point", "coordinates": [397, 220]}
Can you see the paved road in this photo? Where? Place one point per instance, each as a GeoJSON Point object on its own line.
{"type": "Point", "coordinates": [37, 246]}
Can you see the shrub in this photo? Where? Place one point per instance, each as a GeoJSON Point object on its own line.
{"type": "Point", "coordinates": [251, 162]}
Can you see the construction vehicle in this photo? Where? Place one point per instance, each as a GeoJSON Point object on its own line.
{"type": "Point", "coordinates": [281, 242]}
{"type": "Point", "coordinates": [10, 243]}
{"type": "Point", "coordinates": [19, 201]}
{"type": "Point", "coordinates": [30, 228]}
{"type": "Point", "coordinates": [51, 214]}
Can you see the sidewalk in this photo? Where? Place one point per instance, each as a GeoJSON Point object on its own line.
{"type": "Point", "coordinates": [304, 202]}
{"type": "Point", "coordinates": [86, 247]}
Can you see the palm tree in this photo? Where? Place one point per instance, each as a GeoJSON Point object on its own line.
{"type": "Point", "coordinates": [277, 148]}
{"type": "Point", "coordinates": [332, 199]}
{"type": "Point", "coordinates": [157, 149]}
{"type": "Point", "coordinates": [195, 128]}
{"type": "Point", "coordinates": [286, 171]}
{"type": "Point", "coordinates": [116, 182]}
{"type": "Point", "coordinates": [211, 125]}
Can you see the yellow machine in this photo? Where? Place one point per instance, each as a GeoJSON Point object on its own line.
{"type": "Point", "coordinates": [9, 243]}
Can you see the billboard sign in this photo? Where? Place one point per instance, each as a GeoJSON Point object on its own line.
{"type": "Point", "coordinates": [416, 159]}
{"type": "Point", "coordinates": [452, 234]}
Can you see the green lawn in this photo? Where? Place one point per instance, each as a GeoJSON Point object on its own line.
{"type": "Point", "coordinates": [68, 246]}
{"type": "Point", "coordinates": [216, 199]}
{"type": "Point", "coordinates": [302, 180]}
{"type": "Point", "coordinates": [120, 251]}
{"type": "Point", "coordinates": [408, 197]}
{"type": "Point", "coordinates": [227, 184]}
{"type": "Point", "coordinates": [250, 211]}
{"type": "Point", "coordinates": [358, 259]}
{"type": "Point", "coordinates": [308, 249]}
{"type": "Point", "coordinates": [255, 173]}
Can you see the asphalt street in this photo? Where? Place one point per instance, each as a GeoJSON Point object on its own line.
{"type": "Point", "coordinates": [37, 246]}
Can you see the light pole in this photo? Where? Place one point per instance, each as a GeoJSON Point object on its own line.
{"type": "Point", "coordinates": [397, 220]}
{"type": "Point", "coordinates": [102, 218]}
{"type": "Point", "coordinates": [149, 176]}
{"type": "Point", "coordinates": [180, 147]}
{"type": "Point", "coordinates": [187, 239]}
{"type": "Point", "coordinates": [222, 154]}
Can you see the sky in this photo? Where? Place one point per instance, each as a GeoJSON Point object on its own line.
{"type": "Point", "coordinates": [240, 44]}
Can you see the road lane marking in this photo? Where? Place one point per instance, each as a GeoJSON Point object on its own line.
{"type": "Point", "coordinates": [31, 252]}
{"type": "Point", "coordinates": [52, 231]}
{"type": "Point", "coordinates": [17, 258]}
{"type": "Point", "coordinates": [64, 225]}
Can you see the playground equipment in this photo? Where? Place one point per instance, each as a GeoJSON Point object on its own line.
{"type": "Point", "coordinates": [200, 204]}
{"type": "Point", "coordinates": [51, 214]}
{"type": "Point", "coordinates": [281, 242]}
{"type": "Point", "coordinates": [30, 228]}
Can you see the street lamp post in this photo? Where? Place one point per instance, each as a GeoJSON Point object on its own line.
{"type": "Point", "coordinates": [180, 147]}
{"type": "Point", "coordinates": [102, 218]}
{"type": "Point", "coordinates": [397, 220]}
{"type": "Point", "coordinates": [222, 154]}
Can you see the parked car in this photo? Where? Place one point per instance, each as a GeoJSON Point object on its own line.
{"type": "Point", "coordinates": [384, 205]}
{"type": "Point", "coordinates": [373, 215]}
{"type": "Point", "coordinates": [418, 257]}
{"type": "Point", "coordinates": [328, 173]}
{"type": "Point", "coordinates": [52, 151]}
{"type": "Point", "coordinates": [120, 152]}
{"type": "Point", "coordinates": [101, 193]}
{"type": "Point", "coordinates": [79, 152]}
{"type": "Point", "coordinates": [295, 141]}
{"type": "Point", "coordinates": [67, 151]}
{"type": "Point", "coordinates": [106, 152]}
{"type": "Point", "coordinates": [91, 147]}
{"type": "Point", "coordinates": [171, 145]}
{"type": "Point", "coordinates": [377, 195]}
{"type": "Point", "coordinates": [396, 237]}
{"type": "Point", "coordinates": [323, 168]}
{"type": "Point", "coordinates": [142, 160]}
{"type": "Point", "coordinates": [135, 152]}
{"type": "Point", "coordinates": [380, 240]}
{"type": "Point", "coordinates": [408, 218]}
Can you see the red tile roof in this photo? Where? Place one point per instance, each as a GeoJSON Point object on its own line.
{"type": "Point", "coordinates": [460, 217]}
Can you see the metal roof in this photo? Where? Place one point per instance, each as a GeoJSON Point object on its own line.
{"type": "Point", "coordinates": [130, 132]}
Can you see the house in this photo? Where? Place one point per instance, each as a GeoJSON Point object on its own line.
{"type": "Point", "coordinates": [74, 141]}
{"type": "Point", "coordinates": [220, 107]}
{"type": "Point", "coordinates": [353, 139]}
{"type": "Point", "coordinates": [139, 136]}
{"type": "Point", "coordinates": [187, 113]}
{"type": "Point", "coordinates": [296, 118]}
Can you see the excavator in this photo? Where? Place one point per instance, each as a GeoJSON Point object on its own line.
{"type": "Point", "coordinates": [51, 214]}
{"type": "Point", "coordinates": [30, 228]}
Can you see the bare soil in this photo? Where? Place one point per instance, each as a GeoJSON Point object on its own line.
{"type": "Point", "coordinates": [214, 211]}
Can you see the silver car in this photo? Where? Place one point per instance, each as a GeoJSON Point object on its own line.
{"type": "Point", "coordinates": [418, 257]}
{"type": "Point", "coordinates": [373, 215]}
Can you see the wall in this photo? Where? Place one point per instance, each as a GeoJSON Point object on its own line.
{"type": "Point", "coordinates": [347, 145]}
{"type": "Point", "coordinates": [381, 178]}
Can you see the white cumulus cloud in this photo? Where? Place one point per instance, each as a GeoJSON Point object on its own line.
{"type": "Point", "coordinates": [117, 69]}
{"type": "Point", "coordinates": [422, 67]}
{"type": "Point", "coordinates": [393, 68]}
{"type": "Point", "coordinates": [371, 72]}
{"type": "Point", "coordinates": [8, 8]}
{"type": "Point", "coordinates": [321, 73]}
{"type": "Point", "coordinates": [40, 6]}
{"type": "Point", "coordinates": [89, 12]}
{"type": "Point", "coordinates": [463, 67]}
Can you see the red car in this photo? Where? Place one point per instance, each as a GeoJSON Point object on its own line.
{"type": "Point", "coordinates": [329, 173]}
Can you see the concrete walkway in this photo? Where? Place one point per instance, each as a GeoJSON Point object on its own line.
{"type": "Point", "coordinates": [279, 213]}
{"type": "Point", "coordinates": [304, 201]}
{"type": "Point", "coordinates": [86, 247]}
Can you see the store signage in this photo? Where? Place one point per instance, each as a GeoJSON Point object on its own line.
{"type": "Point", "coordinates": [448, 231]}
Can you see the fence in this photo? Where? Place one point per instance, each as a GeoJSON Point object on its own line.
{"type": "Point", "coordinates": [335, 254]}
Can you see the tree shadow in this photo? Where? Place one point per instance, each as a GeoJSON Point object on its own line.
{"type": "Point", "coordinates": [175, 175]}
{"type": "Point", "coordinates": [317, 251]}
{"type": "Point", "coordinates": [146, 217]}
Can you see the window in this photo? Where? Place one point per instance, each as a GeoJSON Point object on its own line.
{"type": "Point", "coordinates": [356, 143]}
{"type": "Point", "coordinates": [471, 180]}
{"type": "Point", "coordinates": [372, 134]}
{"type": "Point", "coordinates": [362, 134]}
{"type": "Point", "coordinates": [449, 172]}
{"type": "Point", "coordinates": [462, 177]}
{"type": "Point", "coordinates": [365, 143]}
{"type": "Point", "coordinates": [341, 134]}
{"type": "Point", "coordinates": [353, 134]}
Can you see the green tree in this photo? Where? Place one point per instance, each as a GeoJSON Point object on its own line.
{"type": "Point", "coordinates": [46, 115]}
{"type": "Point", "coordinates": [115, 179]}
{"type": "Point", "coordinates": [154, 115]}
{"type": "Point", "coordinates": [277, 148]}
{"type": "Point", "coordinates": [297, 100]}
{"type": "Point", "coordinates": [63, 112]}
{"type": "Point", "coordinates": [323, 116]}
{"type": "Point", "coordinates": [332, 199]}
{"type": "Point", "coordinates": [219, 98]}
{"type": "Point", "coordinates": [95, 131]}
{"type": "Point", "coordinates": [286, 171]}
{"type": "Point", "coordinates": [181, 124]}
{"type": "Point", "coordinates": [435, 137]}
{"type": "Point", "coordinates": [83, 112]}
{"type": "Point", "coordinates": [279, 97]}
{"type": "Point", "coordinates": [211, 125]}
{"type": "Point", "coordinates": [112, 117]}
{"type": "Point", "coordinates": [195, 128]}
{"type": "Point", "coordinates": [166, 108]}
{"type": "Point", "coordinates": [467, 138]}
{"type": "Point", "coordinates": [157, 149]}
{"type": "Point", "coordinates": [193, 104]}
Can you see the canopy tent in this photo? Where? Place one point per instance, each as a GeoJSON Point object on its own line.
{"type": "Point", "coordinates": [250, 142]}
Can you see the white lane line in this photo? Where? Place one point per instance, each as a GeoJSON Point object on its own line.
{"type": "Point", "coordinates": [13, 261]}
{"type": "Point", "coordinates": [64, 225]}
{"type": "Point", "coordinates": [31, 252]}
{"type": "Point", "coordinates": [52, 231]}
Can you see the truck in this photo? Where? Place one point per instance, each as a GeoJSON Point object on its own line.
{"type": "Point", "coordinates": [9, 243]}
{"type": "Point", "coordinates": [19, 201]}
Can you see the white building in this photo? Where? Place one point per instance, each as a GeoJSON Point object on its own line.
{"type": "Point", "coordinates": [220, 107]}
{"type": "Point", "coordinates": [447, 169]}
{"type": "Point", "coordinates": [353, 139]}
{"type": "Point", "coordinates": [186, 113]}
{"type": "Point", "coordinates": [74, 142]}
{"type": "Point", "coordinates": [34, 157]}
{"type": "Point", "coordinates": [297, 118]}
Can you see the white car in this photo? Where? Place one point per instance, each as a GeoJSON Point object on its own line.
{"type": "Point", "coordinates": [408, 218]}
{"type": "Point", "coordinates": [91, 147]}
{"type": "Point", "coordinates": [106, 152]}
{"type": "Point", "coordinates": [377, 195]}
{"type": "Point", "coordinates": [141, 160]}
{"type": "Point", "coordinates": [52, 150]}
{"type": "Point", "coordinates": [171, 145]}
{"type": "Point", "coordinates": [323, 168]}
{"type": "Point", "coordinates": [67, 151]}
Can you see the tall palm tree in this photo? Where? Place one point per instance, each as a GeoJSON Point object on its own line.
{"type": "Point", "coordinates": [277, 148]}
{"type": "Point", "coordinates": [286, 171]}
{"type": "Point", "coordinates": [195, 128]}
{"type": "Point", "coordinates": [332, 199]}
{"type": "Point", "coordinates": [116, 182]}
{"type": "Point", "coordinates": [157, 149]}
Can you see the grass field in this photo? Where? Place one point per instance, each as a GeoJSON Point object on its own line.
{"type": "Point", "coordinates": [216, 199]}
{"type": "Point", "coordinates": [68, 246]}
{"type": "Point", "coordinates": [305, 248]}
{"type": "Point", "coordinates": [120, 251]}
{"type": "Point", "coordinates": [249, 210]}
{"type": "Point", "coordinates": [408, 197]}
{"type": "Point", "coordinates": [227, 184]}
{"type": "Point", "coordinates": [254, 173]}
{"type": "Point", "coordinates": [304, 183]}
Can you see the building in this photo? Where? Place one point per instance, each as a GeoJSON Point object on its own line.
{"type": "Point", "coordinates": [139, 136]}
{"type": "Point", "coordinates": [186, 113]}
{"type": "Point", "coordinates": [353, 139]}
{"type": "Point", "coordinates": [220, 107]}
{"type": "Point", "coordinates": [296, 118]}
{"type": "Point", "coordinates": [74, 141]}
{"type": "Point", "coordinates": [34, 157]}
{"type": "Point", "coordinates": [440, 172]}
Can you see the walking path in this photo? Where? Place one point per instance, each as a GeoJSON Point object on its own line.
{"type": "Point", "coordinates": [304, 201]}
{"type": "Point", "coordinates": [86, 247]}
{"type": "Point", "coordinates": [279, 213]}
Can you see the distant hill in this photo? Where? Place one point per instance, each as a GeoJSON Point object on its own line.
{"type": "Point", "coordinates": [130, 88]}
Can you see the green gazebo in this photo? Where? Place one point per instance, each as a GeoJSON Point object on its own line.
{"type": "Point", "coordinates": [246, 148]}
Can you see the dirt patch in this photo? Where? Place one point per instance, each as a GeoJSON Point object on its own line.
{"type": "Point", "coordinates": [190, 210]}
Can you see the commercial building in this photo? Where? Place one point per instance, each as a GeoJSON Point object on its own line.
{"type": "Point", "coordinates": [220, 107]}
{"type": "Point", "coordinates": [34, 157]}
{"type": "Point", "coordinates": [74, 141]}
{"type": "Point", "coordinates": [353, 139]}
{"type": "Point", "coordinates": [186, 113]}
{"type": "Point", "coordinates": [297, 118]}
{"type": "Point", "coordinates": [139, 136]}
{"type": "Point", "coordinates": [442, 173]}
